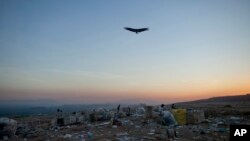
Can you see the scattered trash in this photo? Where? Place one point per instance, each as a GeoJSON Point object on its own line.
{"type": "Point", "coordinates": [8, 128]}
{"type": "Point", "coordinates": [195, 116]}
{"type": "Point", "coordinates": [140, 111]}
{"type": "Point", "coordinates": [149, 111]}
{"type": "Point", "coordinates": [90, 135]}
{"type": "Point", "coordinates": [180, 115]}
{"type": "Point", "coordinates": [122, 134]}
{"type": "Point", "coordinates": [141, 124]}
{"type": "Point", "coordinates": [67, 136]}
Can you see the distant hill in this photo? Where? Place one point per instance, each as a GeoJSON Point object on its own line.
{"type": "Point", "coordinates": [223, 99]}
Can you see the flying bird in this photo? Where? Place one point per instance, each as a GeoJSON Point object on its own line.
{"type": "Point", "coordinates": [136, 30]}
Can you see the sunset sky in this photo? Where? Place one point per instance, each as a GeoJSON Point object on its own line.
{"type": "Point", "coordinates": [76, 51]}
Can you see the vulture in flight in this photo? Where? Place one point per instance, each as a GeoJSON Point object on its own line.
{"type": "Point", "coordinates": [136, 30]}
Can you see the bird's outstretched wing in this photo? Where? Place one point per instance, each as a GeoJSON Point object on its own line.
{"type": "Point", "coordinates": [130, 29]}
{"type": "Point", "coordinates": [142, 29]}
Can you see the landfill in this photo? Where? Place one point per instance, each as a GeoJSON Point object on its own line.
{"type": "Point", "coordinates": [124, 123]}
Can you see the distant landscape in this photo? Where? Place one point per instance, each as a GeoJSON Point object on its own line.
{"type": "Point", "coordinates": [32, 108]}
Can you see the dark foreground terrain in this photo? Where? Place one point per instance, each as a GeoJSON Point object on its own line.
{"type": "Point", "coordinates": [138, 125]}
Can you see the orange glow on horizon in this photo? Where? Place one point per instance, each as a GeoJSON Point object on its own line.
{"type": "Point", "coordinates": [155, 93]}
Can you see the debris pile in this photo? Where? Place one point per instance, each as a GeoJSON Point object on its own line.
{"type": "Point", "coordinates": [7, 128]}
{"type": "Point", "coordinates": [124, 123]}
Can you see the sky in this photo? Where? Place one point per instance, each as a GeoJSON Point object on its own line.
{"type": "Point", "coordinates": [76, 51]}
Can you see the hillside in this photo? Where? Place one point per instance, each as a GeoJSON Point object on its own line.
{"type": "Point", "coordinates": [223, 99]}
